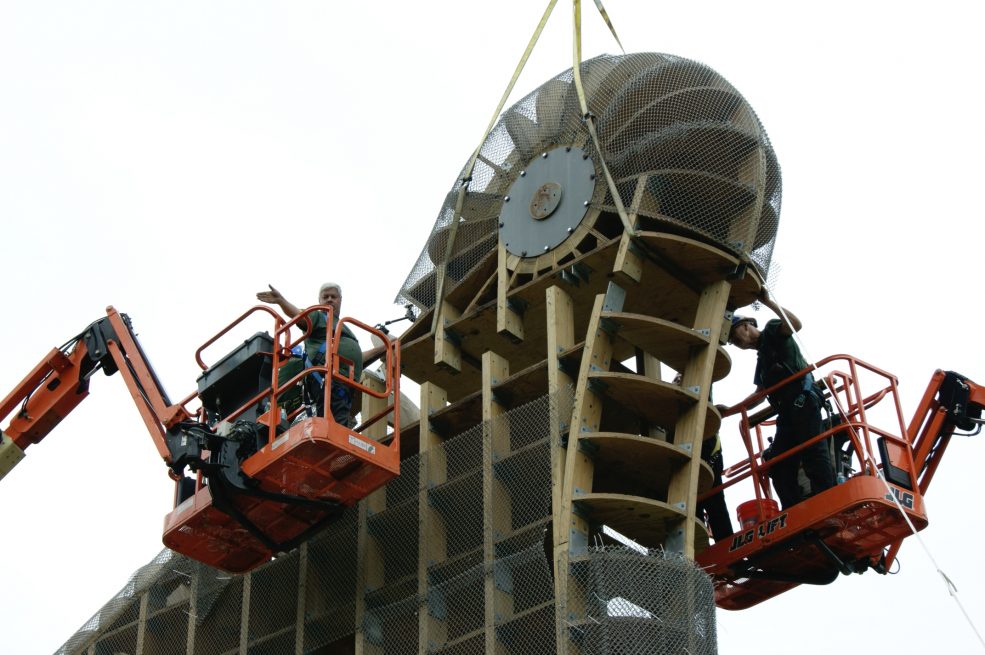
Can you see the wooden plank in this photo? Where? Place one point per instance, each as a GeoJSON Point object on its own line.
{"type": "Point", "coordinates": [417, 362]}
{"type": "Point", "coordinates": [653, 369]}
{"type": "Point", "coordinates": [372, 406]}
{"type": "Point", "coordinates": [572, 534]}
{"type": "Point", "coordinates": [141, 622]}
{"type": "Point", "coordinates": [694, 426]}
{"type": "Point", "coordinates": [508, 322]}
{"type": "Point", "coordinates": [446, 350]}
{"type": "Point", "coordinates": [629, 263]}
{"type": "Point", "coordinates": [302, 599]}
{"type": "Point", "coordinates": [644, 520]}
{"type": "Point", "coordinates": [244, 614]}
{"type": "Point", "coordinates": [660, 403]}
{"type": "Point", "coordinates": [560, 340]}
{"type": "Point", "coordinates": [431, 528]}
{"type": "Point", "coordinates": [668, 342]}
{"type": "Point", "coordinates": [662, 296]}
{"type": "Point", "coordinates": [495, 499]}
{"type": "Point", "coordinates": [369, 568]}
{"type": "Point", "coordinates": [192, 612]}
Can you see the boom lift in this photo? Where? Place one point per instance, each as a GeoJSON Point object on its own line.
{"type": "Point", "coordinates": [265, 470]}
{"type": "Point", "coordinates": [859, 523]}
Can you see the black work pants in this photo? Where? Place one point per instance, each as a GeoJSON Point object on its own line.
{"type": "Point", "coordinates": [799, 420]}
{"type": "Point", "coordinates": [340, 400]}
{"type": "Point", "coordinates": [714, 506]}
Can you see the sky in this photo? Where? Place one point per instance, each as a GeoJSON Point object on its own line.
{"type": "Point", "coordinates": [174, 158]}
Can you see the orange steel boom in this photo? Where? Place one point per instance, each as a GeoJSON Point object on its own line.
{"type": "Point", "coordinates": [859, 523]}
{"type": "Point", "coordinates": [263, 478]}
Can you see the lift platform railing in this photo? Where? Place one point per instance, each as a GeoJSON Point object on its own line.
{"type": "Point", "coordinates": [282, 352]}
{"type": "Point", "coordinates": [848, 406]}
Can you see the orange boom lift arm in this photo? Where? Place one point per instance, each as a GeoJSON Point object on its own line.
{"type": "Point", "coordinates": [883, 467]}
{"type": "Point", "coordinates": [255, 474]}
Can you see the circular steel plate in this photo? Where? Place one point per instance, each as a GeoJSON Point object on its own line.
{"type": "Point", "coordinates": [547, 202]}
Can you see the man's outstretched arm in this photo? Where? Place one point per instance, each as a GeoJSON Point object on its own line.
{"type": "Point", "coordinates": [275, 297]}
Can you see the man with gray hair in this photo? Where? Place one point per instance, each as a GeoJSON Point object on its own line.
{"type": "Point", "coordinates": [316, 325]}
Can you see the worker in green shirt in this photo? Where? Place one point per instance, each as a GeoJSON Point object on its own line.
{"type": "Point", "coordinates": [315, 325]}
{"type": "Point", "coordinates": [798, 402]}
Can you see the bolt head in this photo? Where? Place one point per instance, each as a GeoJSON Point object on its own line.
{"type": "Point", "coordinates": [544, 155]}
{"type": "Point", "coordinates": [592, 176]}
{"type": "Point", "coordinates": [585, 203]}
{"type": "Point", "coordinates": [501, 223]}
{"type": "Point", "coordinates": [546, 248]}
{"type": "Point", "coordinates": [570, 230]}
{"type": "Point", "coordinates": [523, 253]}
{"type": "Point", "coordinates": [523, 173]}
{"type": "Point", "coordinates": [506, 199]}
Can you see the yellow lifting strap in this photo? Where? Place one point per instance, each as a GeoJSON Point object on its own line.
{"type": "Point", "coordinates": [588, 117]}
{"type": "Point", "coordinates": [589, 121]}
{"type": "Point", "coordinates": [467, 176]}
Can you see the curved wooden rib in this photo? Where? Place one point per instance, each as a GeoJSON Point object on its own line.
{"type": "Point", "coordinates": [669, 342]}
{"type": "Point", "coordinates": [704, 263]}
{"type": "Point", "coordinates": [643, 520]}
{"type": "Point", "coordinates": [660, 403]}
{"type": "Point", "coordinates": [631, 461]}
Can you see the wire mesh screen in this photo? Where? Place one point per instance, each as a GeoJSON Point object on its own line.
{"type": "Point", "coordinates": [489, 572]}
{"type": "Point", "coordinates": [687, 152]}
{"type": "Point", "coordinates": [641, 602]}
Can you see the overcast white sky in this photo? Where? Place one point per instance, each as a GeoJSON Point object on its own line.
{"type": "Point", "coordinates": [172, 158]}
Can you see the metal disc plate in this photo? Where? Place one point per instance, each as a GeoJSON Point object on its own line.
{"type": "Point", "coordinates": [547, 202]}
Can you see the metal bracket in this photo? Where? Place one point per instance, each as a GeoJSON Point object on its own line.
{"type": "Point", "coordinates": [609, 326]}
{"type": "Point", "coordinates": [454, 337]}
{"type": "Point", "coordinates": [674, 543]}
{"type": "Point", "coordinates": [615, 297]}
{"type": "Point", "coordinates": [695, 389]}
{"type": "Point", "coordinates": [567, 276]}
{"type": "Point", "coordinates": [705, 332]}
{"type": "Point", "coordinates": [436, 604]}
{"type": "Point", "coordinates": [581, 271]}
{"type": "Point", "coordinates": [577, 542]}
{"type": "Point", "coordinates": [597, 386]}
{"type": "Point", "coordinates": [568, 367]}
{"type": "Point", "coordinates": [740, 270]}
{"type": "Point", "coordinates": [518, 305]}
{"type": "Point", "coordinates": [588, 448]}
{"type": "Point", "coordinates": [502, 579]}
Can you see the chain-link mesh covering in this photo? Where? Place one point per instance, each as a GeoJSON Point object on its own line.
{"type": "Point", "coordinates": [641, 602]}
{"type": "Point", "coordinates": [685, 149]}
{"type": "Point", "coordinates": [488, 567]}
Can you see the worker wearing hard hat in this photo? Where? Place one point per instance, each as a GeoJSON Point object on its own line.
{"type": "Point", "coordinates": [798, 402]}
